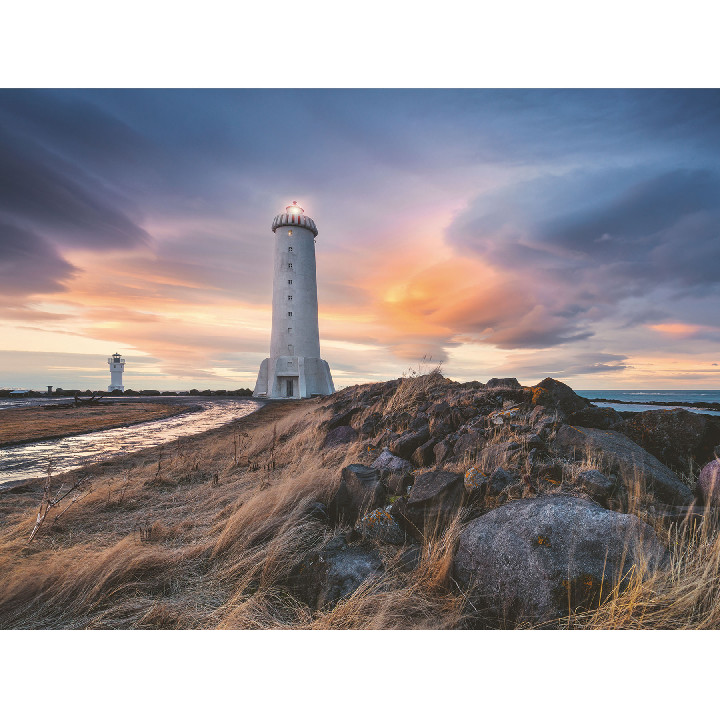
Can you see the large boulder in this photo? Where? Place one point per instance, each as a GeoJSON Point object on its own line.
{"type": "Point", "coordinates": [360, 490]}
{"type": "Point", "coordinates": [468, 446]}
{"type": "Point", "coordinates": [672, 436]}
{"type": "Point", "coordinates": [335, 572]}
{"type": "Point", "coordinates": [709, 483]}
{"type": "Point", "coordinates": [552, 394]}
{"type": "Point", "coordinates": [434, 499]}
{"type": "Point", "coordinates": [538, 559]}
{"type": "Point", "coordinates": [622, 454]}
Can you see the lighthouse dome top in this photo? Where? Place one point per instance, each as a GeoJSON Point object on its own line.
{"type": "Point", "coordinates": [294, 215]}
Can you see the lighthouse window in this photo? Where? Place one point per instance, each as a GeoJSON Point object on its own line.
{"type": "Point", "coordinates": [289, 331]}
{"type": "Point", "coordinates": [290, 249]}
{"type": "Point", "coordinates": [289, 282]}
{"type": "Point", "coordinates": [289, 266]}
{"type": "Point", "coordinates": [290, 313]}
{"type": "Point", "coordinates": [289, 297]}
{"type": "Point", "coordinates": [290, 233]}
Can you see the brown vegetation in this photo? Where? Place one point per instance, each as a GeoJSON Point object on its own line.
{"type": "Point", "coordinates": [205, 533]}
{"type": "Point", "coordinates": [20, 425]}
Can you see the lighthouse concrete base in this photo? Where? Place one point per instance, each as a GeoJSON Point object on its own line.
{"type": "Point", "coordinates": [293, 378]}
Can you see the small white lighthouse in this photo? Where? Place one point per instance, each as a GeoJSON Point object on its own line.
{"type": "Point", "coordinates": [294, 368]}
{"type": "Point", "coordinates": [117, 365]}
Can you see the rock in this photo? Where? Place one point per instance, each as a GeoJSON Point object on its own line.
{"type": "Point", "coordinates": [410, 559]}
{"type": "Point", "coordinates": [380, 525]}
{"type": "Point", "coordinates": [596, 417]}
{"type": "Point", "coordinates": [511, 383]}
{"type": "Point", "coordinates": [442, 450]}
{"type": "Point", "coordinates": [386, 462]}
{"type": "Point", "coordinates": [475, 480]}
{"type": "Point", "coordinates": [342, 418]}
{"type": "Point", "coordinates": [425, 454]}
{"type": "Point", "coordinates": [709, 483]}
{"type": "Point", "coordinates": [407, 443]}
{"type": "Point", "coordinates": [335, 572]}
{"type": "Point", "coordinates": [370, 425]}
{"type": "Point", "coordinates": [340, 436]}
{"type": "Point", "coordinates": [536, 559]}
{"type": "Point", "coordinates": [433, 501]}
{"type": "Point", "coordinates": [552, 394]}
{"type": "Point", "coordinates": [624, 455]}
{"type": "Point", "coordinates": [672, 436]}
{"type": "Point", "coordinates": [360, 490]}
{"type": "Point", "coordinates": [499, 454]}
{"type": "Point", "coordinates": [499, 481]}
{"type": "Point", "coordinates": [318, 511]}
{"type": "Point", "coordinates": [534, 442]}
{"type": "Point", "coordinates": [595, 484]}
{"type": "Point", "coordinates": [468, 446]}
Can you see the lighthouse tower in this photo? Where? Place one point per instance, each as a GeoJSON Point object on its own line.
{"type": "Point", "coordinates": [294, 368]}
{"type": "Point", "coordinates": [117, 365]}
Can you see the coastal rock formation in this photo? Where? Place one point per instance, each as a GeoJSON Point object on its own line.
{"type": "Point", "coordinates": [596, 417]}
{"type": "Point", "coordinates": [552, 394]}
{"type": "Point", "coordinates": [622, 454]}
{"type": "Point", "coordinates": [340, 435]}
{"type": "Point", "coordinates": [539, 559]}
{"type": "Point", "coordinates": [360, 490]}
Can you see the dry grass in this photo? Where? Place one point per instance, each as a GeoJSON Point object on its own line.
{"type": "Point", "coordinates": [205, 533]}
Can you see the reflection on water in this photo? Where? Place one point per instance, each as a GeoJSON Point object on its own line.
{"type": "Point", "coordinates": [31, 460]}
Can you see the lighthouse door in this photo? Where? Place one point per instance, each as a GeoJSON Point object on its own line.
{"type": "Point", "coordinates": [289, 387]}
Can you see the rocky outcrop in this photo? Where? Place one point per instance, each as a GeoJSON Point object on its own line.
{"type": "Point", "coordinates": [672, 436]}
{"type": "Point", "coordinates": [539, 559]}
{"type": "Point", "coordinates": [596, 485]}
{"type": "Point", "coordinates": [433, 501]}
{"type": "Point", "coordinates": [406, 444]}
{"type": "Point", "coordinates": [511, 383]}
{"type": "Point", "coordinates": [554, 395]}
{"type": "Point", "coordinates": [629, 459]}
{"type": "Point", "coordinates": [335, 572]}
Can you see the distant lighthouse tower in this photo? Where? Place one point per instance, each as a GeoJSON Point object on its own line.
{"type": "Point", "coordinates": [117, 365]}
{"type": "Point", "coordinates": [294, 368]}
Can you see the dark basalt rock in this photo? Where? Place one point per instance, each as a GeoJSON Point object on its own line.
{"type": "Point", "coordinates": [340, 436]}
{"type": "Point", "coordinates": [334, 572]}
{"type": "Point", "coordinates": [425, 454]}
{"type": "Point", "coordinates": [596, 417]}
{"type": "Point", "coordinates": [538, 559]}
{"type": "Point", "coordinates": [672, 436]}
{"type": "Point", "coordinates": [360, 490]}
{"type": "Point", "coordinates": [406, 444]}
{"type": "Point", "coordinates": [433, 501]}
{"type": "Point", "coordinates": [622, 454]}
{"type": "Point", "coordinates": [595, 484]}
{"type": "Point", "coordinates": [503, 383]}
{"type": "Point", "coordinates": [552, 394]}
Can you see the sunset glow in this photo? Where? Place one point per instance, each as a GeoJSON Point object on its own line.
{"type": "Point", "coordinates": [571, 234]}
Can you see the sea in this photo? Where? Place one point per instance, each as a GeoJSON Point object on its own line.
{"type": "Point", "coordinates": [639, 399]}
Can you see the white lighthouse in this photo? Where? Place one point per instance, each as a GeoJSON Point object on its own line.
{"type": "Point", "coordinates": [294, 368]}
{"type": "Point", "coordinates": [117, 365]}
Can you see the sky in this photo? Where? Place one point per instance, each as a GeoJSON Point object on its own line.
{"type": "Point", "coordinates": [502, 233]}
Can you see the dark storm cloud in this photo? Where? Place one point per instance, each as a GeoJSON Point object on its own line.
{"type": "Point", "coordinates": [29, 263]}
{"type": "Point", "coordinates": [578, 254]}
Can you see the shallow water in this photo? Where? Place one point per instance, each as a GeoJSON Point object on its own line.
{"type": "Point", "coordinates": [30, 460]}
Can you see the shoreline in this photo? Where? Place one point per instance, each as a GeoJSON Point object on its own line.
{"type": "Point", "coordinates": [671, 403]}
{"type": "Point", "coordinates": [59, 436]}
